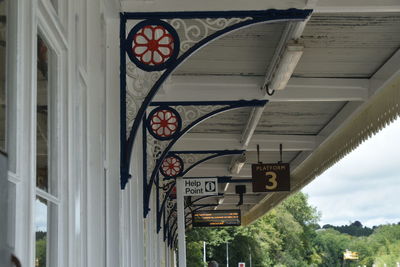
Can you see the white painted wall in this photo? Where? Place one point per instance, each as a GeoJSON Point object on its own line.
{"type": "Point", "coordinates": [99, 225]}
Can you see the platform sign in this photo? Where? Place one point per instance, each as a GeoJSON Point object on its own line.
{"type": "Point", "coordinates": [214, 218]}
{"type": "Point", "coordinates": [200, 187]}
{"type": "Point", "coordinates": [241, 264]}
{"type": "Point", "coordinates": [271, 177]}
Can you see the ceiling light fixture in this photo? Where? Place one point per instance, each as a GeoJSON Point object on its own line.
{"type": "Point", "coordinates": [237, 164]}
{"type": "Point", "coordinates": [286, 66]}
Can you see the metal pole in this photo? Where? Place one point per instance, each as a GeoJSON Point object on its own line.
{"type": "Point", "coordinates": [204, 252]}
{"type": "Point", "coordinates": [250, 259]}
{"type": "Point", "coordinates": [180, 199]}
{"type": "Point", "coordinates": [227, 255]}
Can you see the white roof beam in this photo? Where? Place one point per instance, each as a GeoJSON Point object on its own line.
{"type": "Point", "coordinates": [211, 87]}
{"type": "Point", "coordinates": [201, 141]}
{"type": "Point", "coordinates": [323, 89]}
{"type": "Point", "coordinates": [218, 169]}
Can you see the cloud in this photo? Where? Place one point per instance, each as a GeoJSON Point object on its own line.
{"type": "Point", "coordinates": [364, 185]}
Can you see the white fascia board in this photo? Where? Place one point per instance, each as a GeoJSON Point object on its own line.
{"type": "Point", "coordinates": [201, 141]}
{"type": "Point", "coordinates": [211, 87]}
{"type": "Point", "coordinates": [357, 6]}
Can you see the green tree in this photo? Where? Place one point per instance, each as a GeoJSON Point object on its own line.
{"type": "Point", "coordinates": [331, 244]}
{"type": "Point", "coordinates": [281, 237]}
{"type": "Point", "coordinates": [41, 252]}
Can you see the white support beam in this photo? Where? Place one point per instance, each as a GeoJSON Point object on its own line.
{"type": "Point", "coordinates": [212, 87]}
{"type": "Point", "coordinates": [234, 199]}
{"type": "Point", "coordinates": [208, 141]}
{"type": "Point", "coordinates": [218, 169]}
{"type": "Point", "coordinates": [323, 89]}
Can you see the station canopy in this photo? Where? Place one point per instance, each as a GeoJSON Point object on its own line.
{"type": "Point", "coordinates": [343, 86]}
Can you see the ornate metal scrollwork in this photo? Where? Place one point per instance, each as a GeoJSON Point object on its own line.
{"type": "Point", "coordinates": [183, 117]}
{"type": "Point", "coordinates": [194, 30]}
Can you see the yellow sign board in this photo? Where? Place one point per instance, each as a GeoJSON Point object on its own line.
{"type": "Point", "coordinates": [350, 255]}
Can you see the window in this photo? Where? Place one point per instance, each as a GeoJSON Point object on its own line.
{"type": "Point", "coordinates": [3, 74]}
{"type": "Point", "coordinates": [46, 204]}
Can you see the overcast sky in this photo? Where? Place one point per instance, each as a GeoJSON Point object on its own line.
{"type": "Point", "coordinates": [363, 186]}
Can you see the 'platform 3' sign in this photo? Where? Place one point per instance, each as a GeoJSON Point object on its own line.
{"type": "Point", "coordinates": [271, 177]}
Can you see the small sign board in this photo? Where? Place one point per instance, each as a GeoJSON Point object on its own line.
{"type": "Point", "coordinates": [213, 218]}
{"type": "Point", "coordinates": [241, 264]}
{"type": "Point", "coordinates": [271, 177]}
{"type": "Point", "coordinates": [200, 187]}
{"type": "Point", "coordinates": [350, 255]}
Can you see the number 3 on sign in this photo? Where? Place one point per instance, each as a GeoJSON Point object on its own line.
{"type": "Point", "coordinates": [272, 180]}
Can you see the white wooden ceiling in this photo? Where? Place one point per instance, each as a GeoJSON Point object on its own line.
{"type": "Point", "coordinates": [352, 45]}
{"type": "Point", "coordinates": [244, 52]}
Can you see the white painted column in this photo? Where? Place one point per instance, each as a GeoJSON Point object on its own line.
{"type": "Point", "coordinates": [4, 254]}
{"type": "Point", "coordinates": [180, 199]}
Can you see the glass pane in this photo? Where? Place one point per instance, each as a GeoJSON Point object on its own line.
{"type": "Point", "coordinates": [45, 179]}
{"type": "Point", "coordinates": [41, 232]}
{"type": "Point", "coordinates": [3, 96]}
{"type": "Point", "coordinates": [45, 233]}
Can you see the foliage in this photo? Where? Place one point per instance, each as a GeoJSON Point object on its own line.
{"type": "Point", "coordinates": [289, 236]}
{"type": "Point", "coordinates": [41, 251]}
{"type": "Point", "coordinates": [281, 237]}
{"type": "Point", "coordinates": [354, 229]}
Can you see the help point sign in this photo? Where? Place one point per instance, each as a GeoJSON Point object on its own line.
{"type": "Point", "coordinates": [200, 187]}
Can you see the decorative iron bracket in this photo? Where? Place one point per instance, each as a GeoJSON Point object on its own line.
{"type": "Point", "coordinates": [161, 212]}
{"type": "Point", "coordinates": [167, 123]}
{"type": "Point", "coordinates": [174, 227]}
{"type": "Point", "coordinates": [153, 45]}
{"type": "Point", "coordinates": [196, 157]}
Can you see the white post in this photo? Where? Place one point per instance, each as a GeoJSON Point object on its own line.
{"type": "Point", "coordinates": [180, 199]}
{"type": "Point", "coordinates": [4, 255]}
{"type": "Point", "coordinates": [204, 252]}
{"type": "Point", "coordinates": [250, 260]}
{"type": "Point", "coordinates": [227, 255]}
